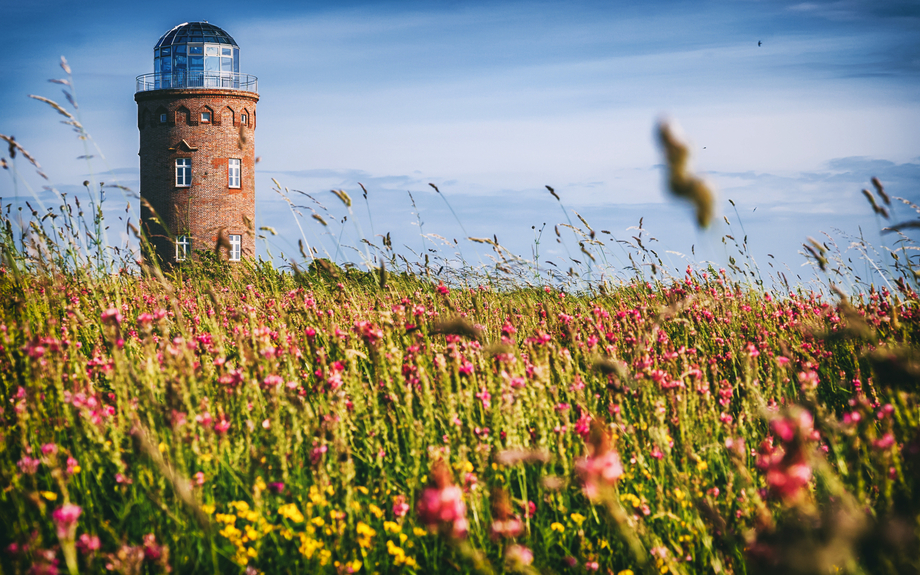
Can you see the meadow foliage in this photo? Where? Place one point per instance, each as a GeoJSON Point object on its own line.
{"type": "Point", "coordinates": [244, 419]}
{"type": "Point", "coordinates": [253, 420]}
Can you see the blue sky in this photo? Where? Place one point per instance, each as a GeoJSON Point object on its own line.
{"type": "Point", "coordinates": [492, 101]}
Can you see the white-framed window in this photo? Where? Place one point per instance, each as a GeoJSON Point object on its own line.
{"type": "Point", "coordinates": [236, 247]}
{"type": "Point", "coordinates": [162, 118]}
{"type": "Point", "coordinates": [206, 117]}
{"type": "Point", "coordinates": [243, 119]}
{"type": "Point", "coordinates": [183, 172]}
{"type": "Point", "coordinates": [233, 173]}
{"type": "Point", "coordinates": [183, 248]}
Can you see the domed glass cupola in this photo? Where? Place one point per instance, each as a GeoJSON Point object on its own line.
{"type": "Point", "coordinates": [196, 55]}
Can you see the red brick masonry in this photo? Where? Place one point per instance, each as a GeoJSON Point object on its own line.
{"type": "Point", "coordinates": [209, 204]}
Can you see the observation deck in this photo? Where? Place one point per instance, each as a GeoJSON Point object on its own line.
{"type": "Point", "coordinates": [196, 55]}
{"type": "Point", "coordinates": [197, 79]}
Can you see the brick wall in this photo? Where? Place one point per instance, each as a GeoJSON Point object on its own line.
{"type": "Point", "coordinates": [209, 204]}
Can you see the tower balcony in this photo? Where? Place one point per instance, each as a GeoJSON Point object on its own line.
{"type": "Point", "coordinates": [197, 79]}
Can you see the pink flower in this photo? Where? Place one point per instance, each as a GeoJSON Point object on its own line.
{"type": "Point", "coordinates": [884, 443]}
{"type": "Point", "coordinates": [440, 506]}
{"type": "Point", "coordinates": [317, 454]}
{"type": "Point", "coordinates": [786, 469]}
{"type": "Point", "coordinates": [504, 522]}
{"type": "Point", "coordinates": [442, 289]}
{"type": "Point", "coordinates": [152, 551]}
{"type": "Point", "coordinates": [88, 543]}
{"type": "Point", "coordinates": [111, 316]}
{"type": "Point", "coordinates": [222, 425]}
{"type": "Point", "coordinates": [400, 507]}
{"type": "Point", "coordinates": [49, 449]}
{"type": "Point", "coordinates": [601, 467]}
{"type": "Point", "coordinates": [199, 478]}
{"type": "Point", "coordinates": [517, 557]}
{"type": "Point", "coordinates": [28, 465]}
{"type": "Point", "coordinates": [65, 520]}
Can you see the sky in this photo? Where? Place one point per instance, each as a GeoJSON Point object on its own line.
{"type": "Point", "coordinates": [493, 101]}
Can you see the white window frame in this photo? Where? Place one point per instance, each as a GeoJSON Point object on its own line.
{"type": "Point", "coordinates": [243, 118]}
{"type": "Point", "coordinates": [206, 117]}
{"type": "Point", "coordinates": [236, 247]}
{"type": "Point", "coordinates": [183, 172]}
{"type": "Point", "coordinates": [183, 248]}
{"type": "Point", "coordinates": [234, 172]}
{"type": "Point", "coordinates": [162, 118]}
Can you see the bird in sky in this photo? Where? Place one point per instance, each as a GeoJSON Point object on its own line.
{"type": "Point", "coordinates": [759, 42]}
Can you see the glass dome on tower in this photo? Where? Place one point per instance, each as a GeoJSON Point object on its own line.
{"type": "Point", "coordinates": [196, 55]}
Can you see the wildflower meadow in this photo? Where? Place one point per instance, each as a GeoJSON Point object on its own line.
{"type": "Point", "coordinates": [218, 418]}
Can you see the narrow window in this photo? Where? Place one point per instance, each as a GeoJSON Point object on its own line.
{"type": "Point", "coordinates": [183, 248]}
{"type": "Point", "coordinates": [162, 118]}
{"type": "Point", "coordinates": [206, 117]}
{"type": "Point", "coordinates": [242, 118]}
{"type": "Point", "coordinates": [233, 173]}
{"type": "Point", "coordinates": [183, 172]}
{"type": "Point", "coordinates": [236, 247]}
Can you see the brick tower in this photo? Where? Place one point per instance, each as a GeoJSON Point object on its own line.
{"type": "Point", "coordinates": [197, 116]}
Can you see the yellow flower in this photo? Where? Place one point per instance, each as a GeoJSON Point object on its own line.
{"type": "Point", "coordinates": [260, 484]}
{"type": "Point", "coordinates": [209, 509]}
{"type": "Point", "coordinates": [355, 565]}
{"type": "Point", "coordinates": [291, 513]}
{"type": "Point", "coordinates": [626, 572]}
{"type": "Point", "coordinates": [162, 447]}
{"type": "Point", "coordinates": [49, 495]}
{"type": "Point", "coordinates": [678, 494]}
{"type": "Point", "coordinates": [702, 466]}
{"type": "Point", "coordinates": [206, 457]}
{"type": "Point", "coordinates": [378, 512]}
{"type": "Point", "coordinates": [362, 490]}
{"type": "Point", "coordinates": [76, 469]}
{"type": "Point", "coordinates": [556, 526]}
{"type": "Point", "coordinates": [419, 532]}
{"type": "Point", "coordinates": [391, 527]}
{"type": "Point", "coordinates": [364, 529]}
{"type": "Point", "coordinates": [318, 521]}
{"type": "Point", "coordinates": [578, 518]}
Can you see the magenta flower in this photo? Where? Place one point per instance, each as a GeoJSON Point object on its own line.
{"type": "Point", "coordinates": [222, 425]}
{"type": "Point", "coordinates": [88, 544]}
{"type": "Point", "coordinates": [440, 506]}
{"type": "Point", "coordinates": [400, 507]}
{"type": "Point", "coordinates": [505, 524]}
{"type": "Point", "coordinates": [517, 557]}
{"type": "Point", "coordinates": [65, 520]}
{"type": "Point", "coordinates": [601, 467]}
{"type": "Point", "coordinates": [111, 317]}
{"type": "Point", "coordinates": [786, 468]}
{"type": "Point", "coordinates": [28, 465]}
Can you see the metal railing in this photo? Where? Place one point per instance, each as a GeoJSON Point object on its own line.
{"type": "Point", "coordinates": [196, 79]}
